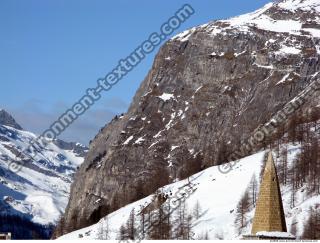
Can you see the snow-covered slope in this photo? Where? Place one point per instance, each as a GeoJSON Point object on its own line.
{"type": "Point", "coordinates": [40, 190]}
{"type": "Point", "coordinates": [218, 195]}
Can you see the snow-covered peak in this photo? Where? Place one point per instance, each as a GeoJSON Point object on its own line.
{"type": "Point", "coordinates": [289, 16]}
{"type": "Point", "coordinates": [305, 5]}
{"type": "Point", "coordinates": [7, 120]}
{"type": "Point", "coordinates": [249, 17]}
{"type": "Point", "coordinates": [264, 19]}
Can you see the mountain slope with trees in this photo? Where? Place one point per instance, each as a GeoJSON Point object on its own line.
{"type": "Point", "coordinates": [209, 89]}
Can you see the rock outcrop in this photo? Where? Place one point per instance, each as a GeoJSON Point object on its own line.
{"type": "Point", "coordinates": [7, 120]}
{"type": "Point", "coordinates": [209, 88]}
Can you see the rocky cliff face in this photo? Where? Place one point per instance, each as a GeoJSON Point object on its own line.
{"type": "Point", "coordinates": [7, 120]}
{"type": "Point", "coordinates": [207, 91]}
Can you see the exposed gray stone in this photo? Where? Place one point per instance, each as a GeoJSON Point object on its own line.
{"type": "Point", "coordinates": [7, 120]}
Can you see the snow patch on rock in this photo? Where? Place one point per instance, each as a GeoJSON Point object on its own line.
{"type": "Point", "coordinates": [128, 140]}
{"type": "Point", "coordinates": [166, 96]}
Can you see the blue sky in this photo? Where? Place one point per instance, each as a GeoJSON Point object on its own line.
{"type": "Point", "coordinates": [52, 51]}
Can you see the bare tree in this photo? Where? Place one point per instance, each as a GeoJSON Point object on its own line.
{"type": "Point", "coordinates": [74, 221]}
{"type": "Point", "coordinates": [203, 236]}
{"type": "Point", "coordinates": [314, 117]}
{"type": "Point", "coordinates": [100, 231]}
{"type": "Point", "coordinates": [312, 227]}
{"type": "Point", "coordinates": [192, 166]}
{"type": "Point", "coordinates": [188, 225]}
{"type": "Point", "coordinates": [197, 210]}
{"type": "Point", "coordinates": [103, 229]}
{"type": "Point", "coordinates": [219, 235]}
{"type": "Point", "coordinates": [60, 229]}
{"type": "Point", "coordinates": [292, 128]}
{"type": "Point", "coordinates": [253, 190]}
{"type": "Point", "coordinates": [142, 222]}
{"type": "Point", "coordinates": [243, 207]}
{"type": "Point", "coordinates": [206, 236]}
{"type": "Point", "coordinates": [314, 181]}
{"type": "Point", "coordinates": [293, 176]}
{"type": "Point", "coordinates": [161, 225]}
{"type": "Point", "coordinates": [131, 225]}
{"type": "Point", "coordinates": [263, 165]}
{"type": "Point", "coordinates": [159, 218]}
{"type": "Point", "coordinates": [123, 233]}
{"type": "Point", "coordinates": [283, 168]}
{"type": "Point", "coordinates": [127, 231]}
{"type": "Point", "coordinates": [293, 229]}
{"type": "Point", "coordinates": [183, 223]}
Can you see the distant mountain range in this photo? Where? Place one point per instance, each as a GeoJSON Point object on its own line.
{"type": "Point", "coordinates": [38, 194]}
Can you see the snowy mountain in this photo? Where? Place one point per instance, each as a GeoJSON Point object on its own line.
{"type": "Point", "coordinates": [39, 192]}
{"type": "Point", "coordinates": [293, 17]}
{"type": "Point", "coordinates": [218, 195]}
{"type": "Point", "coordinates": [209, 89]}
{"type": "Point", "coordinates": [7, 120]}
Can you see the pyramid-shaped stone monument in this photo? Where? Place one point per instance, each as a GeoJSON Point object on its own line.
{"type": "Point", "coordinates": [269, 220]}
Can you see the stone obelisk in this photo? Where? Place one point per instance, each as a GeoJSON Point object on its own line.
{"type": "Point", "coordinates": [269, 214]}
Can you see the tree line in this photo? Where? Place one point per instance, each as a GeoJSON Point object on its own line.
{"type": "Point", "coordinates": [302, 175]}
{"type": "Point", "coordinates": [162, 223]}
